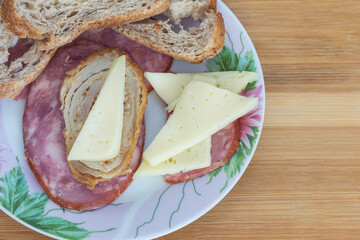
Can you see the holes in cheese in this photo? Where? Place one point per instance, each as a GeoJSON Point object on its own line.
{"type": "Point", "coordinates": [169, 86]}
{"type": "Point", "coordinates": [201, 111]}
{"type": "Point", "coordinates": [196, 157]}
{"type": "Point", "coordinates": [100, 136]}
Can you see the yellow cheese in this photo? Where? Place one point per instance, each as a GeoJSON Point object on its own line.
{"type": "Point", "coordinates": [196, 157]}
{"type": "Point", "coordinates": [215, 82]}
{"type": "Point", "coordinates": [100, 137]}
{"type": "Point", "coordinates": [169, 86]}
{"type": "Point", "coordinates": [201, 111]}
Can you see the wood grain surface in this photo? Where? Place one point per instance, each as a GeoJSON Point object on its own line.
{"type": "Point", "coordinates": [304, 180]}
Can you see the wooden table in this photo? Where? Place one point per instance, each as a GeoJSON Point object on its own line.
{"type": "Point", "coordinates": [304, 180]}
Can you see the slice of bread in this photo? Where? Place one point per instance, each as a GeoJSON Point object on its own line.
{"type": "Point", "coordinates": [21, 61]}
{"type": "Point", "coordinates": [7, 40]}
{"type": "Point", "coordinates": [195, 44]}
{"type": "Point", "coordinates": [180, 9]}
{"type": "Point", "coordinates": [57, 22]}
{"type": "Point", "coordinates": [78, 94]}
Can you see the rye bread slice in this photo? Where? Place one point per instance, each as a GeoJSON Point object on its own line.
{"type": "Point", "coordinates": [16, 73]}
{"type": "Point", "coordinates": [195, 44]}
{"type": "Point", "coordinates": [57, 22]}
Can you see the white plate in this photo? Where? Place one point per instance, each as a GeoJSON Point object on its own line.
{"type": "Point", "coordinates": [149, 208]}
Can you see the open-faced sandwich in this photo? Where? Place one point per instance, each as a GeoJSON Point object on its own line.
{"type": "Point", "coordinates": [91, 65]}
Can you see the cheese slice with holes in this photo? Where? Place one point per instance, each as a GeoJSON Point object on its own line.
{"type": "Point", "coordinates": [201, 111]}
{"type": "Point", "coordinates": [100, 137]}
{"type": "Point", "coordinates": [196, 157]}
{"type": "Point", "coordinates": [169, 86]}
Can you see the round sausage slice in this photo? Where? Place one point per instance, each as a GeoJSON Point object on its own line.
{"type": "Point", "coordinates": [223, 147]}
{"type": "Point", "coordinates": [43, 124]}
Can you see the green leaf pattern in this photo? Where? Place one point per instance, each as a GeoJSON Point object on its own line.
{"type": "Point", "coordinates": [228, 60]}
{"type": "Point", "coordinates": [214, 173]}
{"type": "Point", "coordinates": [247, 63]}
{"type": "Point", "coordinates": [234, 165]}
{"type": "Point", "coordinates": [15, 197]}
{"type": "Point", "coordinates": [14, 191]}
{"type": "Point", "coordinates": [251, 86]}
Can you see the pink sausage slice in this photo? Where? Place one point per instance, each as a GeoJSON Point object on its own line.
{"type": "Point", "coordinates": [224, 145]}
{"type": "Point", "coordinates": [148, 59]}
{"type": "Point", "coordinates": [43, 124]}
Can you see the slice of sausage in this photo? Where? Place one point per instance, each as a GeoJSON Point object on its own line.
{"type": "Point", "coordinates": [149, 60]}
{"type": "Point", "coordinates": [43, 124]}
{"type": "Point", "coordinates": [223, 147]}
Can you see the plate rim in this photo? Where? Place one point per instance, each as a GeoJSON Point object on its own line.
{"type": "Point", "coordinates": [222, 195]}
{"type": "Point", "coordinates": [236, 178]}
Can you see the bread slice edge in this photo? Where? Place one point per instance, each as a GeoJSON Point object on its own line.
{"type": "Point", "coordinates": [22, 28]}
{"type": "Point", "coordinates": [214, 44]}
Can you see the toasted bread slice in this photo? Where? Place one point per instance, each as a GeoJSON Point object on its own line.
{"type": "Point", "coordinates": [59, 22]}
{"type": "Point", "coordinates": [193, 45]}
{"type": "Point", "coordinates": [21, 61]}
{"type": "Point", "coordinates": [77, 95]}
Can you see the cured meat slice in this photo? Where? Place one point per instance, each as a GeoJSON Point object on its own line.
{"type": "Point", "coordinates": [43, 124]}
{"type": "Point", "coordinates": [223, 147]}
{"type": "Point", "coordinates": [149, 60]}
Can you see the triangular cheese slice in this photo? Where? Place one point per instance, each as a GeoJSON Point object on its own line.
{"type": "Point", "coordinates": [169, 86]}
{"type": "Point", "coordinates": [196, 157]}
{"type": "Point", "coordinates": [201, 111]}
{"type": "Point", "coordinates": [100, 137]}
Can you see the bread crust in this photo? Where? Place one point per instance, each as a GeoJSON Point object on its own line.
{"type": "Point", "coordinates": [13, 80]}
{"type": "Point", "coordinates": [87, 179]}
{"type": "Point", "coordinates": [14, 22]}
{"type": "Point", "coordinates": [21, 27]}
{"type": "Point", "coordinates": [213, 46]}
{"type": "Point", "coordinates": [212, 4]}
{"type": "Point", "coordinates": [11, 89]}
{"type": "Point", "coordinates": [218, 38]}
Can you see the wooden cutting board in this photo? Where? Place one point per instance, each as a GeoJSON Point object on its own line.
{"type": "Point", "coordinates": [304, 180]}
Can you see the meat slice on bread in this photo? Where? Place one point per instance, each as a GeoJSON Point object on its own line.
{"type": "Point", "coordinates": [195, 44]}
{"type": "Point", "coordinates": [78, 94]}
{"type": "Point", "coordinates": [59, 22]}
{"type": "Point", "coordinates": [21, 61]}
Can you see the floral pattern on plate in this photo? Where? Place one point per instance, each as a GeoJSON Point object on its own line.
{"type": "Point", "coordinates": [147, 209]}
